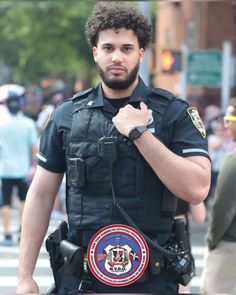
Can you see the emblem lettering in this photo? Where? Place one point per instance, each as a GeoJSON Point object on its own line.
{"type": "Point", "coordinates": [194, 115]}
{"type": "Point", "coordinates": [118, 255]}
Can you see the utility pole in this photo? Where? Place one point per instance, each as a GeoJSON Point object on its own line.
{"type": "Point", "coordinates": [226, 71]}
{"type": "Point", "coordinates": [144, 7]}
{"type": "Point", "coordinates": [183, 78]}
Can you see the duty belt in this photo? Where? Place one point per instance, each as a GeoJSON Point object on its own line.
{"type": "Point", "coordinates": [76, 261]}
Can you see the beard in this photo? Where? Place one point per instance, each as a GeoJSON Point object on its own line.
{"type": "Point", "coordinates": [115, 82]}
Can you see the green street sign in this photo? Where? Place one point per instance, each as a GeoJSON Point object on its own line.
{"type": "Point", "coordinates": [204, 67]}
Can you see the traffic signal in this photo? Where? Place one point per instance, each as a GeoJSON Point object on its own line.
{"type": "Point", "coordinates": [170, 61]}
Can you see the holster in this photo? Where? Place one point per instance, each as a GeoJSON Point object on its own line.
{"type": "Point", "coordinates": [156, 261]}
{"type": "Point", "coordinates": [155, 265]}
{"type": "Point", "coordinates": [52, 245]}
{"type": "Point", "coordinates": [73, 256]}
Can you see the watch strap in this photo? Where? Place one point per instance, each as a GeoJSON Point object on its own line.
{"type": "Point", "coordinates": [136, 132]}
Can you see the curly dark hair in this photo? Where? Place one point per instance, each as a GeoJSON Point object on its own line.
{"type": "Point", "coordinates": [115, 16]}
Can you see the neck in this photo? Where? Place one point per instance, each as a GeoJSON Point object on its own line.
{"type": "Point", "coordinates": [116, 93]}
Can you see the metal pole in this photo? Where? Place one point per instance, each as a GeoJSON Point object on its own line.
{"type": "Point", "coordinates": [225, 80]}
{"type": "Point", "coordinates": [144, 7]}
{"type": "Point", "coordinates": [183, 75]}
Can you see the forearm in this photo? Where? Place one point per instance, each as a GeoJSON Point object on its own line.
{"type": "Point", "coordinates": [34, 226]}
{"type": "Point", "coordinates": [198, 213]}
{"type": "Point", "coordinates": [185, 178]}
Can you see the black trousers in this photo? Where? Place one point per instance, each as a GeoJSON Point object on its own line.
{"type": "Point", "coordinates": [163, 283]}
{"type": "Point", "coordinates": [7, 187]}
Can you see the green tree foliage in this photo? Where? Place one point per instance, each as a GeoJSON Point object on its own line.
{"type": "Point", "coordinates": [41, 39]}
{"type": "Point", "coordinates": [45, 38]}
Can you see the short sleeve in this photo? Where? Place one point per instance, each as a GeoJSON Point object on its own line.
{"type": "Point", "coordinates": [187, 135]}
{"type": "Point", "coordinates": [51, 154]}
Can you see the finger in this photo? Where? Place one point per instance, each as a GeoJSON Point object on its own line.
{"type": "Point", "coordinates": [143, 106]}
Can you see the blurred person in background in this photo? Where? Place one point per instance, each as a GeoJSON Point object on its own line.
{"type": "Point", "coordinates": [220, 261]}
{"type": "Point", "coordinates": [4, 113]}
{"type": "Point", "coordinates": [220, 144]}
{"type": "Point", "coordinates": [46, 111]}
{"type": "Point", "coordinates": [211, 114]}
{"type": "Point", "coordinates": [18, 146]}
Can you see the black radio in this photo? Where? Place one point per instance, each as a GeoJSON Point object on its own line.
{"type": "Point", "coordinates": [108, 148]}
{"type": "Point", "coordinates": [180, 264]}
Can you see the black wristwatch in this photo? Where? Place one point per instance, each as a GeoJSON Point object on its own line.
{"type": "Point", "coordinates": [136, 132]}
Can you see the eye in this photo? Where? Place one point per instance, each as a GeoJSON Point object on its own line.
{"type": "Point", "coordinates": [107, 48]}
{"type": "Point", "coordinates": [127, 48]}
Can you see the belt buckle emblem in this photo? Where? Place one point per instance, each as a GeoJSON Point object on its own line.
{"type": "Point", "coordinates": [118, 255]}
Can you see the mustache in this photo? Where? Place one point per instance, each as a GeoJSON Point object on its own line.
{"type": "Point", "coordinates": [117, 66]}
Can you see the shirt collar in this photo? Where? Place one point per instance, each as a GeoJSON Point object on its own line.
{"type": "Point", "coordinates": [97, 98]}
{"type": "Point", "coordinates": [140, 92]}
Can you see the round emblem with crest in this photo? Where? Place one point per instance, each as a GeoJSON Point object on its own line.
{"type": "Point", "coordinates": [118, 255]}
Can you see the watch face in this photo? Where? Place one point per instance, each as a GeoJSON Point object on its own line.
{"type": "Point", "coordinates": [136, 132]}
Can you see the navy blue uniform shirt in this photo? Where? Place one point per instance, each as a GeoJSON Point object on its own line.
{"type": "Point", "coordinates": [178, 131]}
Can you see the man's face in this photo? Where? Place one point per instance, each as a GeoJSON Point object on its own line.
{"type": "Point", "coordinates": [230, 121]}
{"type": "Point", "coordinates": [118, 57]}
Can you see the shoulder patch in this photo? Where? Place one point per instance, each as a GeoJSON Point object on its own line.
{"type": "Point", "coordinates": [82, 93]}
{"type": "Point", "coordinates": [194, 115]}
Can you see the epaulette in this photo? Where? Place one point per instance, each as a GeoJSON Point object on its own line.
{"type": "Point", "coordinates": [183, 101]}
{"type": "Point", "coordinates": [159, 99]}
{"type": "Point", "coordinates": [82, 93]}
{"type": "Point", "coordinates": [167, 94]}
{"type": "Point", "coordinates": [162, 92]}
{"type": "Point", "coordinates": [64, 100]}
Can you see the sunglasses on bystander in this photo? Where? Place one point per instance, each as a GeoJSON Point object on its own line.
{"type": "Point", "coordinates": [228, 119]}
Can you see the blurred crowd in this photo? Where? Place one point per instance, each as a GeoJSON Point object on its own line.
{"type": "Point", "coordinates": [220, 143]}
{"type": "Point", "coordinates": [24, 113]}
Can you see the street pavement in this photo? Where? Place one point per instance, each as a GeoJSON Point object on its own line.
{"type": "Point", "coordinates": [9, 261]}
{"type": "Point", "coordinates": [43, 276]}
{"type": "Point", "coordinates": [199, 248]}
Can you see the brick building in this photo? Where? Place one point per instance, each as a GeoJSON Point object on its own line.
{"type": "Point", "coordinates": [199, 24]}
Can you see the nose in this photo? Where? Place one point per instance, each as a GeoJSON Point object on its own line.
{"type": "Point", "coordinates": [117, 56]}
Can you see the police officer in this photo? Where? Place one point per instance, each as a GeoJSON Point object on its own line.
{"type": "Point", "coordinates": [118, 142]}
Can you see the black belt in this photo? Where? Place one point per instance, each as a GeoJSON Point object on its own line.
{"type": "Point", "coordinates": [156, 263]}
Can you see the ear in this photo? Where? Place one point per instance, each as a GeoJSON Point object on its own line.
{"type": "Point", "coordinates": [141, 54]}
{"type": "Point", "coordinates": [95, 54]}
